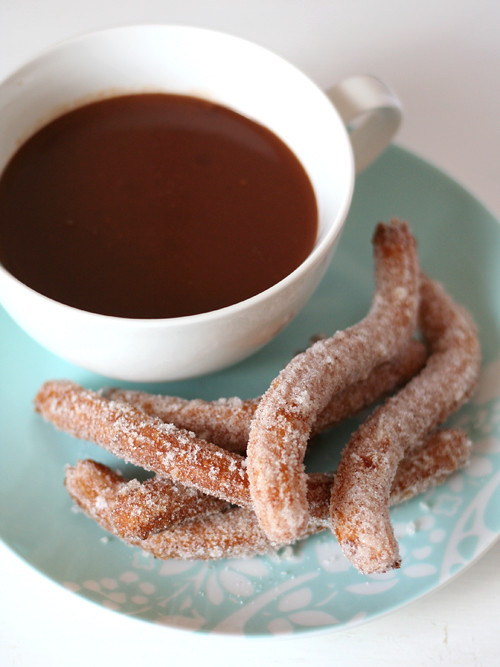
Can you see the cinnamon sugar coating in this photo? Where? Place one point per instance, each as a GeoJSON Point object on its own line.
{"type": "Point", "coordinates": [360, 507]}
{"type": "Point", "coordinates": [145, 441]}
{"type": "Point", "coordinates": [226, 421]}
{"type": "Point", "coordinates": [151, 508]}
{"type": "Point", "coordinates": [133, 509]}
{"type": "Point", "coordinates": [84, 413]}
{"type": "Point", "coordinates": [235, 532]}
{"type": "Point", "coordinates": [286, 413]}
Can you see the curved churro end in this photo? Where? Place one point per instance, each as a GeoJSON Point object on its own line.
{"type": "Point", "coordinates": [372, 551]}
{"type": "Point", "coordinates": [93, 487]}
{"type": "Point", "coordinates": [133, 509]}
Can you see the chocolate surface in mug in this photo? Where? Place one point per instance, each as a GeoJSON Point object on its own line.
{"type": "Point", "coordinates": [154, 205]}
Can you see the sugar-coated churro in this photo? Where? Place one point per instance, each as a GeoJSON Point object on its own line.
{"type": "Point", "coordinates": [139, 509]}
{"type": "Point", "coordinates": [359, 509]}
{"type": "Point", "coordinates": [226, 421]}
{"type": "Point", "coordinates": [236, 532]}
{"type": "Point", "coordinates": [145, 441]}
{"type": "Point", "coordinates": [286, 413]}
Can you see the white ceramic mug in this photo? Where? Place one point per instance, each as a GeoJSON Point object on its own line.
{"type": "Point", "coordinates": [246, 78]}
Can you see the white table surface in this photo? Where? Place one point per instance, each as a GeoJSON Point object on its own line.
{"type": "Point", "coordinates": [443, 58]}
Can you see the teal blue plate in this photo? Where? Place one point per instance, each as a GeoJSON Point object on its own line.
{"type": "Point", "coordinates": [310, 587]}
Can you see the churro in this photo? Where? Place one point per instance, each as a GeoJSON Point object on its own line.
{"type": "Point", "coordinates": [139, 509]}
{"type": "Point", "coordinates": [145, 441]}
{"type": "Point", "coordinates": [226, 421]}
{"type": "Point", "coordinates": [143, 509]}
{"type": "Point", "coordinates": [283, 420]}
{"type": "Point", "coordinates": [232, 532]}
{"type": "Point", "coordinates": [148, 442]}
{"type": "Point", "coordinates": [359, 508]}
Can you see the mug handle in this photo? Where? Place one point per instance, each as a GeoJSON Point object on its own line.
{"type": "Point", "coordinates": [371, 112]}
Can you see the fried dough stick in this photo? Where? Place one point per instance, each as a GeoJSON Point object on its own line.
{"type": "Point", "coordinates": [149, 442]}
{"type": "Point", "coordinates": [362, 485]}
{"type": "Point", "coordinates": [235, 532]}
{"type": "Point", "coordinates": [139, 509]}
{"type": "Point", "coordinates": [226, 421]}
{"type": "Point", "coordinates": [286, 413]}
{"type": "Point", "coordinates": [145, 441]}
